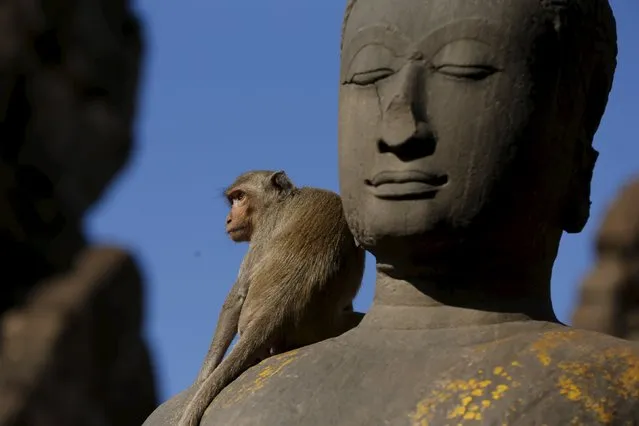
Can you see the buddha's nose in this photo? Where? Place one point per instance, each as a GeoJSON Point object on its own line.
{"type": "Point", "coordinates": [401, 103]}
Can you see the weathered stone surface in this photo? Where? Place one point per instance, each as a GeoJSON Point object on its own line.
{"type": "Point", "coordinates": [492, 375]}
{"type": "Point", "coordinates": [72, 351]}
{"type": "Point", "coordinates": [609, 299]}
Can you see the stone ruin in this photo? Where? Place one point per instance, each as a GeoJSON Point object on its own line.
{"type": "Point", "coordinates": [71, 346]}
{"type": "Point", "coordinates": [609, 298]}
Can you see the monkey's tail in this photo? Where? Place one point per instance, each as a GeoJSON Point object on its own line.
{"type": "Point", "coordinates": [253, 341]}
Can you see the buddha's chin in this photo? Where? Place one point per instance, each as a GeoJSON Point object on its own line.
{"type": "Point", "coordinates": [403, 237]}
{"type": "Point", "coordinates": [403, 218]}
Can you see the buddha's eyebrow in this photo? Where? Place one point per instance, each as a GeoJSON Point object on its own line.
{"type": "Point", "coordinates": [377, 34]}
{"type": "Point", "coordinates": [479, 29]}
{"type": "Point", "coordinates": [400, 45]}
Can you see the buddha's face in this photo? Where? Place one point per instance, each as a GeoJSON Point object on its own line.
{"type": "Point", "coordinates": [448, 119]}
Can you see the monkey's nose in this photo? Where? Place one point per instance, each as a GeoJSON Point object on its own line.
{"type": "Point", "coordinates": [228, 219]}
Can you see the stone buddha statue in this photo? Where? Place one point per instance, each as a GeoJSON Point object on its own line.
{"type": "Point", "coordinates": [465, 151]}
{"type": "Point", "coordinates": [609, 294]}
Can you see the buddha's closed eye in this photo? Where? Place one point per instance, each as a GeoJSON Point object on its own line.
{"type": "Point", "coordinates": [469, 72]}
{"type": "Point", "coordinates": [465, 60]}
{"type": "Point", "coordinates": [370, 77]}
{"type": "Point", "coordinates": [461, 72]}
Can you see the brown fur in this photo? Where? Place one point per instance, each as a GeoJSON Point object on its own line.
{"type": "Point", "coordinates": [296, 283]}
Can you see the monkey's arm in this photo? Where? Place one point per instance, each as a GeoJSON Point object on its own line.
{"type": "Point", "coordinates": [225, 330]}
{"type": "Point", "coordinates": [256, 339]}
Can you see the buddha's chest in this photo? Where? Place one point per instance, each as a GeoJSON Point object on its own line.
{"type": "Point", "coordinates": [509, 382]}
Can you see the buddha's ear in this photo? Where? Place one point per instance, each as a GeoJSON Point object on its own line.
{"type": "Point", "coordinates": [576, 209]}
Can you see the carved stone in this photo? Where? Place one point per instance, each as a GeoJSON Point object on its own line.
{"type": "Point", "coordinates": [609, 299]}
{"type": "Point", "coordinates": [72, 351]}
{"type": "Point", "coordinates": [465, 151]}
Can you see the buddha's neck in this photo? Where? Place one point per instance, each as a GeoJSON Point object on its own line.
{"type": "Point", "coordinates": [483, 290]}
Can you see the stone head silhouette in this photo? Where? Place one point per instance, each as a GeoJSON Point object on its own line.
{"type": "Point", "coordinates": [470, 118]}
{"type": "Point", "coordinates": [465, 135]}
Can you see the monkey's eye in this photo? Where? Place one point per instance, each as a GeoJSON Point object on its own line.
{"type": "Point", "coordinates": [237, 197]}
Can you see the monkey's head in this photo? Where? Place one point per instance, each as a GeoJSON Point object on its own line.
{"type": "Point", "coordinates": [250, 196]}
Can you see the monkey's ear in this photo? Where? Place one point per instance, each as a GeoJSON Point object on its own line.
{"type": "Point", "coordinates": [281, 181]}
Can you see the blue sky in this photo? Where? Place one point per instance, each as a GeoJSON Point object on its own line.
{"type": "Point", "coordinates": [236, 85]}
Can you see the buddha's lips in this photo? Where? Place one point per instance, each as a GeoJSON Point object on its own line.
{"type": "Point", "coordinates": [390, 177]}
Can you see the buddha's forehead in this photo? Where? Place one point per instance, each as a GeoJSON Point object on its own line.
{"type": "Point", "coordinates": [416, 19]}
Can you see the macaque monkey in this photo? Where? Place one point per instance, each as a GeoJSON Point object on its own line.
{"type": "Point", "coordinates": [296, 283]}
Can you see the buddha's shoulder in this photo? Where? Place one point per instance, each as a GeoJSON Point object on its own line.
{"type": "Point", "coordinates": [545, 374]}
{"type": "Point", "coordinates": [561, 344]}
{"type": "Point", "coordinates": [568, 367]}
{"type": "Point", "coordinates": [566, 355]}
{"type": "Point", "coordinates": [549, 374]}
